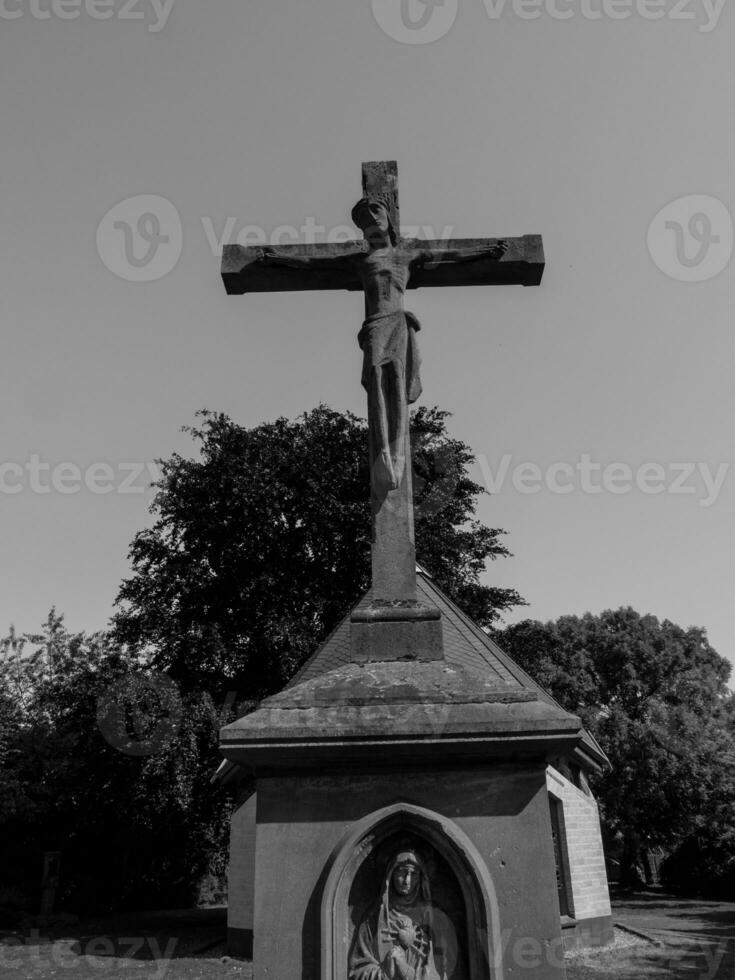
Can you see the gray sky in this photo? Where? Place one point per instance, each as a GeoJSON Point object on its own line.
{"type": "Point", "coordinates": [581, 129]}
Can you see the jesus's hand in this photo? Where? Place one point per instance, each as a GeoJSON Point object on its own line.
{"type": "Point", "coordinates": [498, 250]}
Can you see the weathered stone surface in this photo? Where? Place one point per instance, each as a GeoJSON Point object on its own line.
{"type": "Point", "coordinates": [393, 548]}
{"type": "Point", "coordinates": [243, 271]}
{"type": "Point", "coordinates": [407, 711]}
{"type": "Point", "coordinates": [304, 820]}
{"type": "Point", "coordinates": [380, 179]}
{"type": "Point", "coordinates": [401, 683]}
{"type": "Point", "coordinates": [396, 630]}
{"type": "Point", "coordinates": [394, 611]}
{"type": "Point", "coordinates": [412, 640]}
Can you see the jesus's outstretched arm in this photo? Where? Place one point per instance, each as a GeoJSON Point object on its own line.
{"type": "Point", "coordinates": [271, 255]}
{"type": "Point", "coordinates": [428, 257]}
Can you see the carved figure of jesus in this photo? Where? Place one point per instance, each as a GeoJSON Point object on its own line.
{"type": "Point", "coordinates": [390, 373]}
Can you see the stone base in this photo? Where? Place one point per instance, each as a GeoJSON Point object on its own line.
{"type": "Point", "coordinates": [385, 631]}
{"type": "Point", "coordinates": [581, 933]}
{"type": "Point", "coordinates": [315, 832]}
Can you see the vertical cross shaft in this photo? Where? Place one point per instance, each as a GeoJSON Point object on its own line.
{"type": "Point", "coordinates": [393, 548]}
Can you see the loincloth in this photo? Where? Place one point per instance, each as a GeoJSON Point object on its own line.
{"type": "Point", "coordinates": [389, 337]}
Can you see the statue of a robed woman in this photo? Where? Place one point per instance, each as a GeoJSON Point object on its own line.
{"type": "Point", "coordinates": [403, 937]}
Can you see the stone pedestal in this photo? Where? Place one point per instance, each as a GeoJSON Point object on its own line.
{"type": "Point", "coordinates": [385, 631]}
{"type": "Point", "coordinates": [447, 748]}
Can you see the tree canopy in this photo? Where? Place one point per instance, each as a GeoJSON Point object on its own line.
{"type": "Point", "coordinates": [258, 547]}
{"type": "Point", "coordinates": [106, 762]}
{"type": "Point", "coordinates": [655, 695]}
{"type": "Point", "coordinates": [261, 544]}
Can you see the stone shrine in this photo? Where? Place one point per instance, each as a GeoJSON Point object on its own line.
{"type": "Point", "coordinates": [413, 805]}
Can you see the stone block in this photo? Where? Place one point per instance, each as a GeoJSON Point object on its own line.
{"type": "Point", "coordinates": [387, 632]}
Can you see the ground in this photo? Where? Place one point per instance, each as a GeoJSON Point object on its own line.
{"type": "Point", "coordinates": [696, 942]}
{"type": "Point", "coordinates": [693, 940]}
{"type": "Point", "coordinates": [186, 945]}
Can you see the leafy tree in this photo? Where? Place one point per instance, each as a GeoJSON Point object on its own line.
{"type": "Point", "coordinates": [262, 544]}
{"type": "Point", "coordinates": [107, 763]}
{"type": "Point", "coordinates": [704, 862]}
{"type": "Point", "coordinates": [655, 695]}
{"type": "Point", "coordinates": [109, 741]}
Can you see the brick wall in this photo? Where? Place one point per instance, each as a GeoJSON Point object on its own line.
{"type": "Point", "coordinates": [582, 848]}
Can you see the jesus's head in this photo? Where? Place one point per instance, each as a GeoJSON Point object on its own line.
{"type": "Point", "coordinates": [372, 215]}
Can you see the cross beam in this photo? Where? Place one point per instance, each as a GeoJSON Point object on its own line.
{"type": "Point", "coordinates": [383, 265]}
{"type": "Point", "coordinates": [243, 271]}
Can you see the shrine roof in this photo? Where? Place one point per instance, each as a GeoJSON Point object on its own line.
{"type": "Point", "coordinates": [465, 644]}
{"type": "Point", "coordinates": [477, 692]}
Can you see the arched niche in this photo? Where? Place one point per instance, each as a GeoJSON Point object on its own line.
{"type": "Point", "coordinates": [454, 850]}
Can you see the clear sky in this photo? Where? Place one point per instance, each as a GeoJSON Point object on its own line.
{"type": "Point", "coordinates": [582, 129]}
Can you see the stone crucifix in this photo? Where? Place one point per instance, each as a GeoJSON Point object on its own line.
{"type": "Point", "coordinates": [383, 266]}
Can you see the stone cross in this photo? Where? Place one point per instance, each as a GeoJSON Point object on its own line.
{"type": "Point", "coordinates": [383, 266]}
